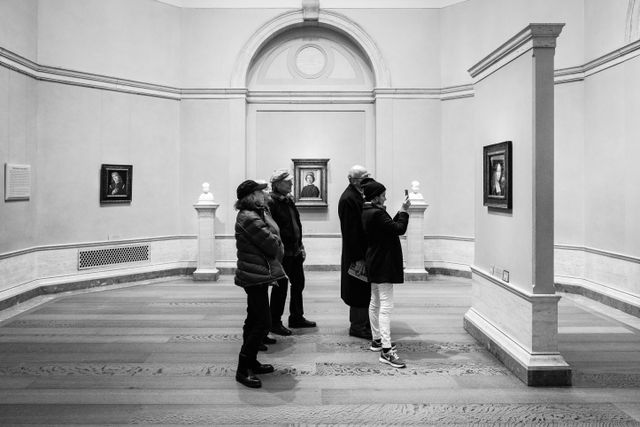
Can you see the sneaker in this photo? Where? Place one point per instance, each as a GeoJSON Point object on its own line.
{"type": "Point", "coordinates": [391, 358]}
{"type": "Point", "coordinates": [376, 345]}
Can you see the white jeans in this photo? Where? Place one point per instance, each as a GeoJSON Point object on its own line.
{"type": "Point", "coordinates": [380, 308]}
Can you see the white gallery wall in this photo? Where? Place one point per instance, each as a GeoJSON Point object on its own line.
{"type": "Point", "coordinates": [153, 88]}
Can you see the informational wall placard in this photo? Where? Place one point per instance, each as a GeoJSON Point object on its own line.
{"type": "Point", "coordinates": [17, 182]}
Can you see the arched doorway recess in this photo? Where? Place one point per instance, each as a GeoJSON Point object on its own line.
{"type": "Point", "coordinates": [310, 93]}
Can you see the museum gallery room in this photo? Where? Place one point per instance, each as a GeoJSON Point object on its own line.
{"type": "Point", "coordinates": [511, 126]}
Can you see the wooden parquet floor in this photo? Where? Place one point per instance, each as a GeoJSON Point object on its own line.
{"type": "Point", "coordinates": [164, 353]}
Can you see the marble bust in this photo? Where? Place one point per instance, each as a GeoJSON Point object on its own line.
{"type": "Point", "coordinates": [206, 195]}
{"type": "Point", "coordinates": [415, 191]}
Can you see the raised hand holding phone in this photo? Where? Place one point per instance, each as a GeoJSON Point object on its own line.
{"type": "Point", "coordinates": [406, 203]}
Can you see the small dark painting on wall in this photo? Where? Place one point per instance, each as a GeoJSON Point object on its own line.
{"type": "Point", "coordinates": [497, 175]}
{"type": "Point", "coordinates": [310, 182]}
{"type": "Point", "coordinates": [115, 183]}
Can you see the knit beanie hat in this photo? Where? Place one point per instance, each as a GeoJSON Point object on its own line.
{"type": "Point", "coordinates": [372, 188]}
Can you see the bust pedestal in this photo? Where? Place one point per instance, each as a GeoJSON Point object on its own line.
{"type": "Point", "coordinates": [414, 270]}
{"type": "Point", "coordinates": [206, 269]}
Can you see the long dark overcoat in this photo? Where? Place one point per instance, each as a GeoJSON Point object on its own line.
{"type": "Point", "coordinates": [353, 292]}
{"type": "Point", "coordinates": [384, 253]}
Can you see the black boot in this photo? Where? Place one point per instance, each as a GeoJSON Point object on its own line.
{"type": "Point", "coordinates": [244, 374]}
{"type": "Point", "coordinates": [259, 368]}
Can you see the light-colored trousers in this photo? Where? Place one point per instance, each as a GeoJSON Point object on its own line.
{"type": "Point", "coordinates": [380, 308]}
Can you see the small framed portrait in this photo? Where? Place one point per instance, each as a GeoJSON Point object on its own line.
{"type": "Point", "coordinates": [115, 183]}
{"type": "Point", "coordinates": [497, 175]}
{"type": "Point", "coordinates": [310, 182]}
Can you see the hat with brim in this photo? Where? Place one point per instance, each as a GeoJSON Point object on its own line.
{"type": "Point", "coordinates": [281, 175]}
{"type": "Point", "coordinates": [247, 187]}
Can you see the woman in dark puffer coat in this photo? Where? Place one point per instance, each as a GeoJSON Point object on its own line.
{"type": "Point", "coordinates": [260, 253]}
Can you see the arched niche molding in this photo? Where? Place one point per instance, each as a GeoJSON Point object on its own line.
{"type": "Point", "coordinates": [310, 58]}
{"type": "Point", "coordinates": [290, 20]}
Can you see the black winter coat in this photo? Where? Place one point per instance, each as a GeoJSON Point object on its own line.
{"type": "Point", "coordinates": [353, 292]}
{"type": "Point", "coordinates": [281, 208]}
{"type": "Point", "coordinates": [260, 249]}
{"type": "Point", "coordinates": [384, 253]}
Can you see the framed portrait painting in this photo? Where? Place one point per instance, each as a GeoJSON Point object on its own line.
{"type": "Point", "coordinates": [115, 183]}
{"type": "Point", "coordinates": [497, 177]}
{"type": "Point", "coordinates": [310, 182]}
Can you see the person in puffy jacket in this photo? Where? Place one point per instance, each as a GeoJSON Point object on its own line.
{"type": "Point", "coordinates": [384, 265]}
{"type": "Point", "coordinates": [260, 252]}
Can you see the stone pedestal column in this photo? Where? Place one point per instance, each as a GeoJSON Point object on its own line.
{"type": "Point", "coordinates": [206, 207]}
{"type": "Point", "coordinates": [414, 269]}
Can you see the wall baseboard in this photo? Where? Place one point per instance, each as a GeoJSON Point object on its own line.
{"type": "Point", "coordinates": [92, 283]}
{"type": "Point", "coordinates": [599, 294]}
{"type": "Point", "coordinates": [148, 275]}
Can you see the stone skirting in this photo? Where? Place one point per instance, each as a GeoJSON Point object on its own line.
{"type": "Point", "coordinates": [547, 377]}
{"type": "Point", "coordinates": [518, 328]}
{"type": "Point", "coordinates": [92, 283]}
{"type": "Point", "coordinates": [607, 277]}
{"type": "Point", "coordinates": [617, 300]}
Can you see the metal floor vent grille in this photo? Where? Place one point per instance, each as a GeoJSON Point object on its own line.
{"type": "Point", "coordinates": [112, 256]}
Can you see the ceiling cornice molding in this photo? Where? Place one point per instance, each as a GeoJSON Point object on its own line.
{"type": "Point", "coordinates": [533, 36]}
{"type": "Point", "coordinates": [20, 64]}
{"type": "Point", "coordinates": [324, 4]}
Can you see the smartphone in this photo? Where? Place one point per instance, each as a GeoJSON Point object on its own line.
{"type": "Point", "coordinates": [406, 193]}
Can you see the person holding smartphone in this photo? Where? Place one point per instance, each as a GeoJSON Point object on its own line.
{"type": "Point", "coordinates": [383, 259]}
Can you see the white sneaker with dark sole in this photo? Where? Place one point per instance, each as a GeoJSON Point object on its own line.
{"type": "Point", "coordinates": [391, 358]}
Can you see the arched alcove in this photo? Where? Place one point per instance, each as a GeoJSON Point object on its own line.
{"type": "Point", "coordinates": [295, 19]}
{"type": "Point", "coordinates": [310, 94]}
{"type": "Point", "coordinates": [310, 58]}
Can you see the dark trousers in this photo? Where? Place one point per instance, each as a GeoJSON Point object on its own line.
{"type": "Point", "coordinates": [293, 267]}
{"type": "Point", "coordinates": [359, 318]}
{"type": "Point", "coordinates": [258, 321]}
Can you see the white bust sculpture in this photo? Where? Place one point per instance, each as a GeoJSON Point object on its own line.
{"type": "Point", "coordinates": [415, 191]}
{"type": "Point", "coordinates": [206, 196]}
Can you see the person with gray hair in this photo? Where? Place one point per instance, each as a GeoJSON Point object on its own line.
{"type": "Point", "coordinates": [354, 292]}
{"type": "Point", "coordinates": [286, 215]}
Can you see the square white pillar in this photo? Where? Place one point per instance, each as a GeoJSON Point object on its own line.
{"type": "Point", "coordinates": [514, 307]}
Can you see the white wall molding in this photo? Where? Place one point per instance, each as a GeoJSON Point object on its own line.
{"type": "Point", "coordinates": [296, 4]}
{"type": "Point", "coordinates": [294, 19]}
{"type": "Point", "coordinates": [611, 59]}
{"type": "Point", "coordinates": [532, 36]}
{"type": "Point", "coordinates": [84, 245]}
{"type": "Point", "coordinates": [45, 73]}
{"type": "Point", "coordinates": [613, 255]}
{"type": "Point", "coordinates": [310, 97]}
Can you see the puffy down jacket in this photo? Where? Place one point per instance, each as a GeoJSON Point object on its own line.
{"type": "Point", "coordinates": [260, 249]}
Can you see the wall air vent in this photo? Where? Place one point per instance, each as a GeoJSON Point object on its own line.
{"type": "Point", "coordinates": [112, 256]}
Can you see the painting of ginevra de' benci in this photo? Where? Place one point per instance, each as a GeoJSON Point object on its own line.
{"type": "Point", "coordinates": [310, 182]}
{"type": "Point", "coordinates": [115, 183]}
{"type": "Point", "coordinates": [497, 175]}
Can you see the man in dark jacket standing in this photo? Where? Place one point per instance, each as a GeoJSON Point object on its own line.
{"type": "Point", "coordinates": [354, 292]}
{"type": "Point", "coordinates": [284, 212]}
